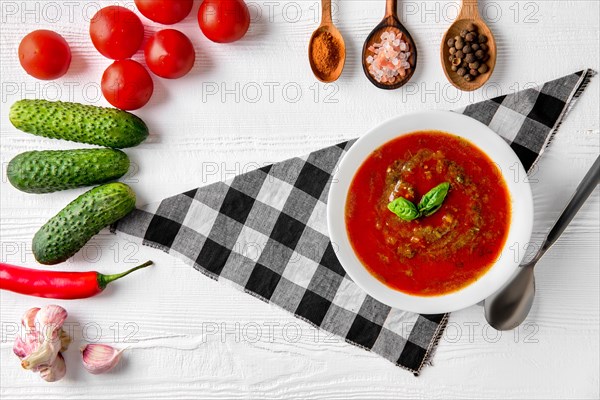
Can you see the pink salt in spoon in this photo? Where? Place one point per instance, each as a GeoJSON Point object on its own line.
{"type": "Point", "coordinates": [390, 23]}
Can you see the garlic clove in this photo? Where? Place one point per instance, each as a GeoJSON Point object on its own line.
{"type": "Point", "coordinates": [100, 358]}
{"type": "Point", "coordinates": [20, 348]}
{"type": "Point", "coordinates": [29, 339]}
{"type": "Point", "coordinates": [28, 319]}
{"type": "Point", "coordinates": [51, 317]}
{"type": "Point", "coordinates": [26, 344]}
{"type": "Point", "coordinates": [56, 371]}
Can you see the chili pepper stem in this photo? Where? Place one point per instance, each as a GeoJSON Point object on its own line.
{"type": "Point", "coordinates": [104, 280]}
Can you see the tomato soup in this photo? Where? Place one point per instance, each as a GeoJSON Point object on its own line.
{"type": "Point", "coordinates": [436, 254]}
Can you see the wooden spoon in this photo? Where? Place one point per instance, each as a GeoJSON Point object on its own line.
{"type": "Point", "coordinates": [327, 26]}
{"type": "Point", "coordinates": [469, 13]}
{"type": "Point", "coordinates": [390, 22]}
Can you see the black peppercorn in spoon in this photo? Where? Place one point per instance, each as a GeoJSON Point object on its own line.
{"type": "Point", "coordinates": [468, 15]}
{"type": "Point", "coordinates": [507, 308]}
{"type": "Point", "coordinates": [391, 23]}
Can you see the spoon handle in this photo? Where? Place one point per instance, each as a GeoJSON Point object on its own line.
{"type": "Point", "coordinates": [326, 12]}
{"type": "Point", "coordinates": [469, 9]}
{"type": "Point", "coordinates": [583, 191]}
{"type": "Point", "coordinates": [391, 8]}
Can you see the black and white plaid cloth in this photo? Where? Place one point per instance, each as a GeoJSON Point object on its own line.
{"type": "Point", "coordinates": [265, 231]}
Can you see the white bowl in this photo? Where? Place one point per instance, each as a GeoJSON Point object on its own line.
{"type": "Point", "coordinates": [512, 170]}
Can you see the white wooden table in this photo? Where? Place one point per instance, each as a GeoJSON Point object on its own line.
{"type": "Point", "coordinates": [255, 102]}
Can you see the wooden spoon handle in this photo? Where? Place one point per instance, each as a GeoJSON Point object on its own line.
{"type": "Point", "coordinates": [469, 10]}
{"type": "Point", "coordinates": [391, 8]}
{"type": "Point", "coordinates": [326, 12]}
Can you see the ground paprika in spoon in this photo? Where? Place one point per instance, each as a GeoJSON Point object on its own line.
{"type": "Point", "coordinates": [326, 53]}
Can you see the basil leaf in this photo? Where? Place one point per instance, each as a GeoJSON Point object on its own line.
{"type": "Point", "coordinates": [404, 209]}
{"type": "Point", "coordinates": [432, 201]}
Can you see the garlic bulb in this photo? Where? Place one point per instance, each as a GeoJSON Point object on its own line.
{"type": "Point", "coordinates": [48, 322]}
{"type": "Point", "coordinates": [100, 358]}
{"type": "Point", "coordinates": [42, 341]}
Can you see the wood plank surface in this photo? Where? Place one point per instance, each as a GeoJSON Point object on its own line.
{"type": "Point", "coordinates": [254, 102]}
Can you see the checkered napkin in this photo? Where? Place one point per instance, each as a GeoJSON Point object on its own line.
{"type": "Point", "coordinates": [265, 231]}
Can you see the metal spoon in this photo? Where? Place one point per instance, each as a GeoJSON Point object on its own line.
{"type": "Point", "coordinates": [391, 22]}
{"type": "Point", "coordinates": [508, 308]}
{"type": "Point", "coordinates": [327, 26]}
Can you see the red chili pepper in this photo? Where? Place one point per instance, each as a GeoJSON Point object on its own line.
{"type": "Point", "coordinates": [57, 284]}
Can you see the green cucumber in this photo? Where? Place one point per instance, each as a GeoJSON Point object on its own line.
{"type": "Point", "coordinates": [54, 170]}
{"type": "Point", "coordinates": [69, 230]}
{"type": "Point", "coordinates": [108, 127]}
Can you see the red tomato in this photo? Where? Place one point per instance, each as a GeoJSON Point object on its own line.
{"type": "Point", "coordinates": [224, 21]}
{"type": "Point", "coordinates": [44, 54]}
{"type": "Point", "coordinates": [169, 54]}
{"type": "Point", "coordinates": [116, 32]}
{"type": "Point", "coordinates": [165, 11]}
{"type": "Point", "coordinates": [127, 85]}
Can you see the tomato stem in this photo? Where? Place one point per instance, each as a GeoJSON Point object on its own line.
{"type": "Point", "coordinates": [104, 280]}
